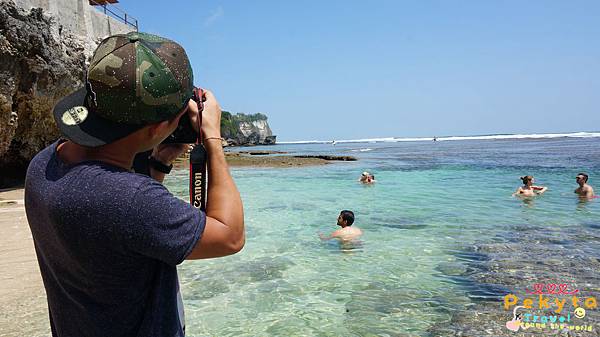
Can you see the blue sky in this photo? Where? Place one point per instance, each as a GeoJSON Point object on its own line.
{"type": "Point", "coordinates": [355, 69]}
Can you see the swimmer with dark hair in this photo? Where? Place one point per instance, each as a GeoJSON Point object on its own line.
{"type": "Point", "coordinates": [584, 190]}
{"type": "Point", "coordinates": [529, 189]}
{"type": "Point", "coordinates": [347, 232]}
{"type": "Point", "coordinates": [366, 178]}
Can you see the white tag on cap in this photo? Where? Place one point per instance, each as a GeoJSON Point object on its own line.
{"type": "Point", "coordinates": [75, 115]}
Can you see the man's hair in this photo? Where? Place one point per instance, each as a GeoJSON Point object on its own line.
{"type": "Point", "coordinates": [585, 176]}
{"type": "Point", "coordinates": [347, 216]}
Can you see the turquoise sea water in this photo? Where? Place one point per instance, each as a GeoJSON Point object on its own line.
{"type": "Point", "coordinates": [432, 200]}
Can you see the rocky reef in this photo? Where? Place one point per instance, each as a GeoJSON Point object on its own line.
{"type": "Point", "coordinates": [279, 159]}
{"type": "Point", "coordinates": [39, 64]}
{"type": "Point", "coordinates": [513, 262]}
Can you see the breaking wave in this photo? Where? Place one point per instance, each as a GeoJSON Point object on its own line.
{"type": "Point", "coordinates": [451, 138]}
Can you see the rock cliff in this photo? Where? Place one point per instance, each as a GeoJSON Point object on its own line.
{"type": "Point", "coordinates": [39, 64]}
{"type": "Point", "coordinates": [242, 129]}
{"type": "Point", "coordinates": [41, 61]}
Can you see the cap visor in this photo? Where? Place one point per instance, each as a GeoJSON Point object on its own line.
{"type": "Point", "coordinates": [92, 130]}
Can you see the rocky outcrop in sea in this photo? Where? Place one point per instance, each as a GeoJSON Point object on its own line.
{"type": "Point", "coordinates": [241, 129]}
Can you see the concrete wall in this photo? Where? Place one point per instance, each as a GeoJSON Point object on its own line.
{"type": "Point", "coordinates": [78, 17]}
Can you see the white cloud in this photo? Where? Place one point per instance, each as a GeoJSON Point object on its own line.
{"type": "Point", "coordinates": [214, 16]}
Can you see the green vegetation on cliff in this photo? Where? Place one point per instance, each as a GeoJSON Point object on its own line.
{"type": "Point", "coordinates": [230, 123]}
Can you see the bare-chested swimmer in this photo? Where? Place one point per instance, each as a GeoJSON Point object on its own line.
{"type": "Point", "coordinates": [529, 189]}
{"type": "Point", "coordinates": [584, 190]}
{"type": "Point", "coordinates": [347, 232]}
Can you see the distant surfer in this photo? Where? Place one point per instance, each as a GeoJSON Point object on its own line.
{"type": "Point", "coordinates": [584, 190]}
{"type": "Point", "coordinates": [434, 138]}
{"type": "Point", "coordinates": [347, 232]}
{"type": "Point", "coordinates": [333, 142]}
{"type": "Point", "coordinates": [528, 189]}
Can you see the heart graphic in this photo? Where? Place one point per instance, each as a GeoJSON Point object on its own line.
{"type": "Point", "coordinates": [513, 325]}
{"type": "Point", "coordinates": [538, 288]}
{"type": "Point", "coordinates": [562, 288]}
{"type": "Point", "coordinates": [551, 287]}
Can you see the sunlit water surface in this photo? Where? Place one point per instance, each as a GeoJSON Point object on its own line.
{"type": "Point", "coordinates": [431, 200]}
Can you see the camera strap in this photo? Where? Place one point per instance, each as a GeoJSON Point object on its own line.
{"type": "Point", "coordinates": [198, 159]}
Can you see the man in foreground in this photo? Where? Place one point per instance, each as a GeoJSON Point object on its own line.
{"type": "Point", "coordinates": [347, 232]}
{"type": "Point", "coordinates": [584, 190]}
{"type": "Point", "coordinates": [108, 240]}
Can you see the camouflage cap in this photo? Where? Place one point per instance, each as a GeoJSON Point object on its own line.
{"type": "Point", "coordinates": [133, 80]}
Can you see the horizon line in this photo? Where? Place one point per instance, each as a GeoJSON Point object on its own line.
{"type": "Point", "coordinates": [578, 134]}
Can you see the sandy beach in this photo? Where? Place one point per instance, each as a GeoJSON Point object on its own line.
{"type": "Point", "coordinates": [22, 295]}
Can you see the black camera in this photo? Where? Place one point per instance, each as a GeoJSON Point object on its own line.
{"type": "Point", "coordinates": [185, 133]}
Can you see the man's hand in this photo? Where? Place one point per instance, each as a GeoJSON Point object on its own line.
{"type": "Point", "coordinates": [211, 116]}
{"type": "Point", "coordinates": [167, 153]}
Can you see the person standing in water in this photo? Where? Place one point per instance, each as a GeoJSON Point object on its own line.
{"type": "Point", "coordinates": [347, 232]}
{"type": "Point", "coordinates": [366, 178]}
{"type": "Point", "coordinates": [528, 189]}
{"type": "Point", "coordinates": [584, 190]}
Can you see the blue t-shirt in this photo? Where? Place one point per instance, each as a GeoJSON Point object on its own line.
{"type": "Point", "coordinates": [108, 242]}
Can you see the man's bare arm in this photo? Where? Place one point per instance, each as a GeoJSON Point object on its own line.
{"type": "Point", "coordinates": [324, 237]}
{"type": "Point", "coordinates": [333, 235]}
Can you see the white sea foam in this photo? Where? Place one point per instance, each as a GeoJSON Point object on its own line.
{"type": "Point", "coordinates": [451, 138]}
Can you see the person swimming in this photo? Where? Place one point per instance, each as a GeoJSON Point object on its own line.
{"type": "Point", "coordinates": [366, 178]}
{"type": "Point", "coordinates": [528, 189]}
{"type": "Point", "coordinates": [347, 232]}
{"type": "Point", "coordinates": [584, 190]}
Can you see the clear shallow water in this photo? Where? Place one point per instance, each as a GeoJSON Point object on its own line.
{"type": "Point", "coordinates": [431, 201]}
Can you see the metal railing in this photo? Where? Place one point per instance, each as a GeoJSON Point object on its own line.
{"type": "Point", "coordinates": [121, 16]}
